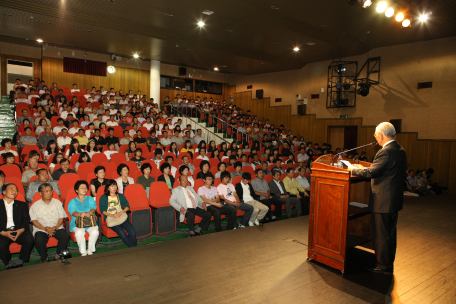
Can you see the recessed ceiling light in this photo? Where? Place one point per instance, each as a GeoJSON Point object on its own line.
{"type": "Point", "coordinates": [381, 7]}
{"type": "Point", "coordinates": [136, 56]}
{"type": "Point", "coordinates": [215, 69]}
{"type": "Point", "coordinates": [296, 49]}
{"type": "Point", "coordinates": [208, 12]}
{"type": "Point", "coordinates": [310, 43]}
{"type": "Point", "coordinates": [31, 17]}
{"type": "Point", "coordinates": [423, 17]}
{"type": "Point", "coordinates": [400, 17]}
{"type": "Point", "coordinates": [169, 15]}
{"type": "Point", "coordinates": [201, 23]}
{"type": "Point", "coordinates": [389, 12]}
{"type": "Point", "coordinates": [39, 40]}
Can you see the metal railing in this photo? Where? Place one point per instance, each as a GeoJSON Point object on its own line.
{"type": "Point", "coordinates": [179, 110]}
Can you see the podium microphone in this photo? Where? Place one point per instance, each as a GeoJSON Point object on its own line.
{"type": "Point", "coordinates": [344, 152]}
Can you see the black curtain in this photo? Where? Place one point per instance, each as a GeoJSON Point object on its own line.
{"type": "Point", "coordinates": [350, 137]}
{"type": "Point", "coordinates": [82, 66]}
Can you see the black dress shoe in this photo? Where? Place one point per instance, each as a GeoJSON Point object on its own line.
{"type": "Point", "coordinates": [273, 220]}
{"type": "Point", "coordinates": [198, 233]}
{"type": "Point", "coordinates": [18, 266]}
{"type": "Point", "coordinates": [192, 235]}
{"type": "Point", "coordinates": [377, 269]}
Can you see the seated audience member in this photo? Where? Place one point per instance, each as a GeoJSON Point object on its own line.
{"type": "Point", "coordinates": [255, 161]}
{"type": "Point", "coordinates": [261, 189]}
{"type": "Point", "coordinates": [83, 158]}
{"type": "Point", "coordinates": [185, 200]}
{"type": "Point", "coordinates": [186, 162]}
{"type": "Point", "coordinates": [416, 185]}
{"type": "Point", "coordinates": [9, 159]}
{"type": "Point", "coordinates": [228, 193]}
{"type": "Point", "coordinates": [247, 195]}
{"type": "Point", "coordinates": [139, 139]}
{"type": "Point", "coordinates": [114, 207]}
{"type": "Point", "coordinates": [302, 156]}
{"type": "Point", "coordinates": [74, 129]}
{"type": "Point", "coordinates": [278, 166]}
{"type": "Point", "coordinates": [14, 227]}
{"type": "Point", "coordinates": [123, 180]}
{"type": "Point", "coordinates": [170, 160]}
{"type": "Point", "coordinates": [58, 129]}
{"type": "Point", "coordinates": [7, 144]}
{"type": "Point", "coordinates": [158, 157]}
{"type": "Point", "coordinates": [278, 192]}
{"type": "Point", "coordinates": [188, 148]}
{"type": "Point", "coordinates": [98, 181]}
{"type": "Point", "coordinates": [152, 139]}
{"type": "Point", "coordinates": [188, 137]}
{"type": "Point", "coordinates": [138, 159]}
{"type": "Point", "coordinates": [205, 167]}
{"type": "Point", "coordinates": [28, 139]}
{"type": "Point", "coordinates": [27, 175]}
{"type": "Point", "coordinates": [47, 216]}
{"type": "Point", "coordinates": [81, 138]}
{"type": "Point", "coordinates": [64, 169]}
{"type": "Point", "coordinates": [166, 177]}
{"type": "Point", "coordinates": [184, 170]}
{"type": "Point", "coordinates": [237, 169]}
{"type": "Point", "coordinates": [111, 150]}
{"type": "Point", "coordinates": [176, 138]}
{"type": "Point", "coordinates": [74, 148]}
{"type": "Point", "coordinates": [46, 138]}
{"type": "Point", "coordinates": [64, 140]}
{"type": "Point", "coordinates": [130, 152]}
{"type": "Point", "coordinates": [57, 158]}
{"type": "Point", "coordinates": [433, 184]}
{"type": "Point", "coordinates": [245, 161]}
{"type": "Point", "coordinates": [20, 120]}
{"type": "Point", "coordinates": [221, 168]}
{"type": "Point", "coordinates": [110, 138]}
{"type": "Point", "coordinates": [285, 151]}
{"type": "Point", "coordinates": [227, 155]}
{"type": "Point", "coordinates": [265, 168]}
{"type": "Point", "coordinates": [302, 180]}
{"type": "Point", "coordinates": [203, 155]}
{"type": "Point", "coordinates": [83, 206]}
{"type": "Point", "coordinates": [294, 189]}
{"type": "Point", "coordinates": [42, 178]}
{"type": "Point", "coordinates": [99, 140]}
{"type": "Point", "coordinates": [145, 180]}
{"type": "Point", "coordinates": [211, 198]}
{"type": "Point", "coordinates": [126, 139]}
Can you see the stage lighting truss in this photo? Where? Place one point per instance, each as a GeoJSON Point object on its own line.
{"type": "Point", "coordinates": [342, 88]}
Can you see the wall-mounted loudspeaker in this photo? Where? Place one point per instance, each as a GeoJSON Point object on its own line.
{"type": "Point", "coordinates": [397, 124]}
{"type": "Point", "coordinates": [182, 71]}
{"type": "Point", "coordinates": [259, 94]}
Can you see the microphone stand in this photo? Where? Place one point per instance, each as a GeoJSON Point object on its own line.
{"type": "Point", "coordinates": [340, 154]}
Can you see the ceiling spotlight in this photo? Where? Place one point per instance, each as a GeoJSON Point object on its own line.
{"type": "Point", "coordinates": [136, 56]}
{"type": "Point", "coordinates": [201, 23]}
{"type": "Point", "coordinates": [423, 17]}
{"type": "Point", "coordinates": [381, 7]}
{"type": "Point", "coordinates": [364, 89]}
{"type": "Point", "coordinates": [39, 40]}
{"type": "Point", "coordinates": [389, 12]}
{"type": "Point", "coordinates": [400, 17]}
{"type": "Point", "coordinates": [406, 23]}
{"type": "Point", "coordinates": [215, 69]}
{"type": "Point", "coordinates": [365, 3]}
{"type": "Point", "coordinates": [296, 49]}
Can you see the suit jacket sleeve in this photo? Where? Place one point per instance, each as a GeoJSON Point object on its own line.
{"type": "Point", "coordinates": [174, 200]}
{"type": "Point", "coordinates": [239, 191]}
{"type": "Point", "coordinates": [275, 192]}
{"type": "Point", "coordinates": [378, 167]}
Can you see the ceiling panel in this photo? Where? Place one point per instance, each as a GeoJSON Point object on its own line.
{"type": "Point", "coordinates": [247, 36]}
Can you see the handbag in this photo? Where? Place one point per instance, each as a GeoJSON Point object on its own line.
{"type": "Point", "coordinates": [86, 222]}
{"type": "Point", "coordinates": [114, 221]}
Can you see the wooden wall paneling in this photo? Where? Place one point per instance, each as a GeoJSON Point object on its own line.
{"type": "Point", "coordinates": [123, 79]}
{"type": "Point", "coordinates": [421, 153]}
{"type": "Point", "coordinates": [36, 69]}
{"type": "Point", "coordinates": [172, 93]}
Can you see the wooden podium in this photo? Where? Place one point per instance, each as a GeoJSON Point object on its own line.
{"type": "Point", "coordinates": [337, 221]}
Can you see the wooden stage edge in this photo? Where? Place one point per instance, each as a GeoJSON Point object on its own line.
{"type": "Point", "coordinates": [254, 265]}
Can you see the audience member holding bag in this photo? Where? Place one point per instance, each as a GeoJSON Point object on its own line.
{"type": "Point", "coordinates": [82, 209]}
{"type": "Point", "coordinates": [114, 207]}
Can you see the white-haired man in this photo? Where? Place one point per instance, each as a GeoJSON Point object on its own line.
{"type": "Point", "coordinates": [387, 174]}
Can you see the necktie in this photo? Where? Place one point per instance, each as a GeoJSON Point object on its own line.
{"type": "Point", "coordinates": [191, 198]}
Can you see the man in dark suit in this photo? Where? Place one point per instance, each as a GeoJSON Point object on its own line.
{"type": "Point", "coordinates": [387, 174]}
{"type": "Point", "coordinates": [279, 193]}
{"type": "Point", "coordinates": [14, 227]}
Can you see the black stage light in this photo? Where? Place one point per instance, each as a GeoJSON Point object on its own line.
{"type": "Point", "coordinates": [347, 86]}
{"type": "Point", "coordinates": [338, 86]}
{"type": "Point", "coordinates": [336, 102]}
{"type": "Point", "coordinates": [363, 89]}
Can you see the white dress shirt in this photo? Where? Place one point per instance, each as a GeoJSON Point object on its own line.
{"type": "Point", "coordinates": [246, 197]}
{"type": "Point", "coordinates": [9, 214]}
{"type": "Point", "coordinates": [187, 198]}
{"type": "Point", "coordinates": [280, 187]}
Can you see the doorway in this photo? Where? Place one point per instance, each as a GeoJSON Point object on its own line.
{"type": "Point", "coordinates": [343, 137]}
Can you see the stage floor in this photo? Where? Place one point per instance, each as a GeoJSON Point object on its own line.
{"type": "Point", "coordinates": [253, 265]}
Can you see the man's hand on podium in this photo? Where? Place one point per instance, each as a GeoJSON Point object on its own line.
{"type": "Point", "coordinates": [355, 166]}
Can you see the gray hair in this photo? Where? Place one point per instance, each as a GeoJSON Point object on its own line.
{"type": "Point", "coordinates": [44, 186]}
{"type": "Point", "coordinates": [386, 129]}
